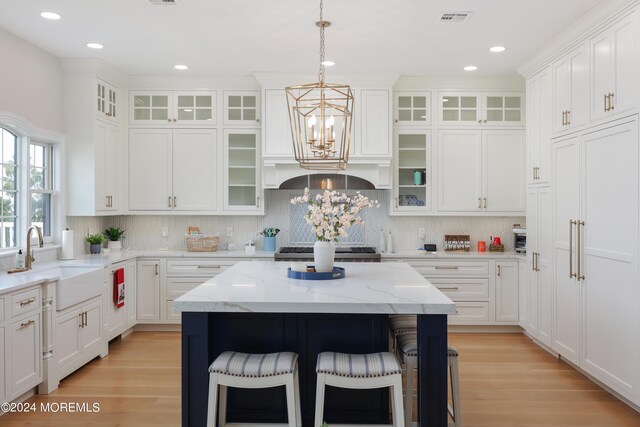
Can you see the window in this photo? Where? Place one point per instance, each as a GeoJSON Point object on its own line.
{"type": "Point", "coordinates": [9, 191]}
{"type": "Point", "coordinates": [41, 186]}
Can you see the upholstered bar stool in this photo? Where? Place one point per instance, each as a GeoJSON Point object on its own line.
{"type": "Point", "coordinates": [408, 346]}
{"type": "Point", "coordinates": [401, 324]}
{"type": "Point", "coordinates": [244, 370]}
{"type": "Point", "coordinates": [359, 371]}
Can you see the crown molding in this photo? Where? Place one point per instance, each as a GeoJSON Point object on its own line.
{"type": "Point", "coordinates": [24, 127]}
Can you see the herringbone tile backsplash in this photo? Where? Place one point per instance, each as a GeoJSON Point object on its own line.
{"type": "Point", "coordinates": [144, 231]}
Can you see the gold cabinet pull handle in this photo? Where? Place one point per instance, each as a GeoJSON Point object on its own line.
{"type": "Point", "coordinates": [606, 108]}
{"type": "Point", "coordinates": [175, 203]}
{"type": "Point", "coordinates": [453, 288]}
{"type": "Point", "coordinates": [485, 202]}
{"type": "Point", "coordinates": [571, 273]}
{"type": "Point", "coordinates": [446, 267]}
{"type": "Point", "coordinates": [498, 266]}
{"type": "Point", "coordinates": [568, 117]}
{"type": "Point", "coordinates": [157, 270]}
{"type": "Point", "coordinates": [479, 203]}
{"type": "Point", "coordinates": [579, 250]}
{"type": "Point", "coordinates": [25, 324]}
{"type": "Point", "coordinates": [209, 266]}
{"type": "Point", "coordinates": [169, 201]}
{"type": "Point", "coordinates": [258, 202]}
{"type": "Point", "coordinates": [610, 101]}
{"type": "Point", "coordinates": [27, 301]}
{"type": "Point", "coordinates": [81, 325]}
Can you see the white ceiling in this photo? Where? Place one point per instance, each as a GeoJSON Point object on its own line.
{"type": "Point", "coordinates": [230, 37]}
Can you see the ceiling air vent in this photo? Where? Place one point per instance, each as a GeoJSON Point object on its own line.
{"type": "Point", "coordinates": [454, 16]}
{"type": "Point", "coordinates": [163, 2]}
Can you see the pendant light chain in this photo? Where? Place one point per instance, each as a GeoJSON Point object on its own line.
{"type": "Point", "coordinates": [321, 73]}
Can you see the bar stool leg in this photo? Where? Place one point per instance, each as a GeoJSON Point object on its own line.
{"type": "Point", "coordinates": [399, 417]}
{"type": "Point", "coordinates": [291, 401]}
{"type": "Point", "coordinates": [296, 388]}
{"type": "Point", "coordinates": [321, 379]}
{"type": "Point", "coordinates": [455, 391]}
{"type": "Point", "coordinates": [213, 400]}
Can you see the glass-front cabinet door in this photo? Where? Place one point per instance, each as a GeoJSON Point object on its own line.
{"type": "Point", "coordinates": [412, 108]}
{"type": "Point", "coordinates": [195, 107]}
{"type": "Point", "coordinates": [242, 187]}
{"type": "Point", "coordinates": [458, 108]}
{"type": "Point", "coordinates": [106, 97]}
{"type": "Point", "coordinates": [150, 107]}
{"type": "Point", "coordinates": [242, 108]}
{"type": "Point", "coordinates": [412, 184]}
{"type": "Point", "coordinates": [506, 108]}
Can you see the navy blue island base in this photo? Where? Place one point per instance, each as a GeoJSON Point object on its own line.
{"type": "Point", "coordinates": [207, 334]}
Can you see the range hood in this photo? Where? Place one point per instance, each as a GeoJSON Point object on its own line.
{"type": "Point", "coordinates": [326, 181]}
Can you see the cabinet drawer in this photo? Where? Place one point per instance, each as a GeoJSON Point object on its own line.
{"type": "Point", "coordinates": [451, 268]}
{"type": "Point", "coordinates": [179, 286]}
{"type": "Point", "coordinates": [468, 313]}
{"type": "Point", "coordinates": [173, 316]}
{"type": "Point", "coordinates": [25, 302]}
{"type": "Point", "coordinates": [205, 267]}
{"type": "Point", "coordinates": [460, 289]}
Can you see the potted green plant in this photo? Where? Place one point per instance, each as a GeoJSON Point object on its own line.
{"type": "Point", "coordinates": [95, 242]}
{"type": "Point", "coordinates": [113, 235]}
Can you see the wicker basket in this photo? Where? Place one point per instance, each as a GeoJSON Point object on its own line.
{"type": "Point", "coordinates": [202, 243]}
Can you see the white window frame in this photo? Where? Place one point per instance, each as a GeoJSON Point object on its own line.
{"type": "Point", "coordinates": [26, 133]}
{"type": "Point", "coordinates": [50, 158]}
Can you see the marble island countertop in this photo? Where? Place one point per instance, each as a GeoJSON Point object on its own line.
{"type": "Point", "coordinates": [263, 286]}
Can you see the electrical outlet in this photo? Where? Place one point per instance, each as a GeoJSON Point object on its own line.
{"type": "Point", "coordinates": [165, 231]}
{"type": "Point", "coordinates": [422, 233]}
{"type": "Point", "coordinates": [229, 231]}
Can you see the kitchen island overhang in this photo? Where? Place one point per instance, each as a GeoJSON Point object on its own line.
{"type": "Point", "coordinates": [254, 307]}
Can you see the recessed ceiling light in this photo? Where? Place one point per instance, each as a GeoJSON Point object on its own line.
{"type": "Point", "coordinates": [497, 49]}
{"type": "Point", "coordinates": [328, 63]}
{"type": "Point", "coordinates": [180, 67]}
{"type": "Point", "coordinates": [93, 45]}
{"type": "Point", "coordinates": [470, 68]}
{"type": "Point", "coordinates": [50, 15]}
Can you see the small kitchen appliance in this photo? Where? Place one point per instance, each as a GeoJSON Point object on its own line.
{"type": "Point", "coordinates": [520, 239]}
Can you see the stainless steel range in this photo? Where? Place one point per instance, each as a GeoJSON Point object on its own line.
{"type": "Point", "coordinates": [346, 254]}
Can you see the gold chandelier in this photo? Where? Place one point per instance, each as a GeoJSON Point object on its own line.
{"type": "Point", "coordinates": [320, 115]}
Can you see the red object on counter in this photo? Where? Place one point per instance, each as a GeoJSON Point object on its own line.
{"type": "Point", "coordinates": [496, 241]}
{"type": "Point", "coordinates": [482, 246]}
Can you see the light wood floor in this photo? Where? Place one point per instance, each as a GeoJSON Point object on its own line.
{"type": "Point", "coordinates": [505, 379]}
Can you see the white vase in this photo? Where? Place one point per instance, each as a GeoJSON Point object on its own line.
{"type": "Point", "coordinates": [114, 245]}
{"type": "Point", "coordinates": [323, 255]}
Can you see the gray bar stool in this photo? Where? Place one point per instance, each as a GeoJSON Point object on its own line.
{"type": "Point", "coordinates": [359, 371]}
{"type": "Point", "coordinates": [408, 346]}
{"type": "Point", "coordinates": [244, 370]}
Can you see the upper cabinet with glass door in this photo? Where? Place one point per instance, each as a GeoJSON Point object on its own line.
{"type": "Point", "coordinates": [242, 108]}
{"type": "Point", "coordinates": [106, 101]}
{"type": "Point", "coordinates": [412, 109]}
{"type": "Point", "coordinates": [481, 109]}
{"type": "Point", "coordinates": [173, 108]}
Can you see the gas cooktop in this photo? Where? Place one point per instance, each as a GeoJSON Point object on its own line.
{"type": "Point", "coordinates": [352, 253]}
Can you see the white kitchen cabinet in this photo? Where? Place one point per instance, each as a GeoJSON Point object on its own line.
{"type": "Point", "coordinates": [412, 109]}
{"type": "Point", "coordinates": [78, 336]}
{"type": "Point", "coordinates": [118, 320]}
{"type": "Point", "coordinates": [107, 167]}
{"type": "Point", "coordinates": [3, 391]}
{"type": "Point", "coordinates": [506, 277]}
{"type": "Point", "coordinates": [172, 108]}
{"type": "Point", "coordinates": [172, 169]}
{"type": "Point", "coordinates": [413, 156]}
{"type": "Point", "coordinates": [539, 296]}
{"type": "Point", "coordinates": [523, 292]}
{"type": "Point", "coordinates": [374, 138]}
{"type": "Point", "coordinates": [481, 109]}
{"type": "Point", "coordinates": [91, 155]}
{"type": "Point", "coordinates": [277, 141]}
{"type": "Point", "coordinates": [107, 101]}
{"type": "Point", "coordinates": [242, 108]}
{"type": "Point", "coordinates": [597, 288]}
{"type": "Point", "coordinates": [176, 287]}
{"type": "Point", "coordinates": [25, 355]}
{"type": "Point", "coordinates": [539, 98]}
{"type": "Point", "coordinates": [481, 171]}
{"type": "Point", "coordinates": [242, 187]}
{"type": "Point", "coordinates": [570, 89]}
{"type": "Point", "coordinates": [614, 68]}
{"type": "Point", "coordinates": [148, 291]}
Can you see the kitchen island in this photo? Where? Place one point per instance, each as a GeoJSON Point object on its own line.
{"type": "Point", "coordinates": [254, 307]}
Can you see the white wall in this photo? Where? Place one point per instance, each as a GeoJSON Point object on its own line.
{"type": "Point", "coordinates": [30, 83]}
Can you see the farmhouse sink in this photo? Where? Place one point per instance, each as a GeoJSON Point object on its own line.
{"type": "Point", "coordinates": [77, 284]}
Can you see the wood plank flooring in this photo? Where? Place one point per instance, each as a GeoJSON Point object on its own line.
{"type": "Point", "coordinates": [505, 380]}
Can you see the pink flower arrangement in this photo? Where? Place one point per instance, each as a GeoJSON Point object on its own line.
{"type": "Point", "coordinates": [331, 213]}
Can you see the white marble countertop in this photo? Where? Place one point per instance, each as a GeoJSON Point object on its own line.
{"type": "Point", "coordinates": [263, 286]}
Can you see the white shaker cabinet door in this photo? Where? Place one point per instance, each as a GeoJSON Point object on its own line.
{"type": "Point", "coordinates": [459, 170]}
{"type": "Point", "coordinates": [93, 327]}
{"type": "Point", "coordinates": [277, 139]}
{"type": "Point", "coordinates": [148, 291]}
{"type": "Point", "coordinates": [507, 291]}
{"type": "Point", "coordinates": [375, 126]}
{"type": "Point", "coordinates": [504, 153]}
{"type": "Point", "coordinates": [150, 170]}
{"type": "Point", "coordinates": [3, 394]}
{"type": "Point", "coordinates": [531, 291]}
{"type": "Point", "coordinates": [610, 257]}
{"type": "Point", "coordinates": [194, 171]}
{"type": "Point", "coordinates": [566, 162]}
{"type": "Point", "coordinates": [543, 266]}
{"type": "Point", "coordinates": [25, 355]}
